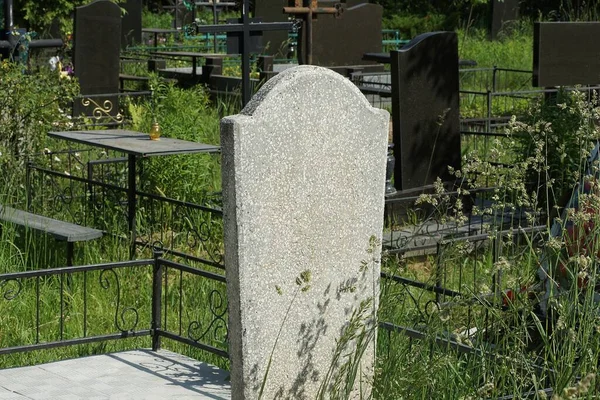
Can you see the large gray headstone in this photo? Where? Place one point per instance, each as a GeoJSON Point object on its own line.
{"type": "Point", "coordinates": [96, 51]}
{"type": "Point", "coordinates": [425, 109]}
{"type": "Point", "coordinates": [303, 187]}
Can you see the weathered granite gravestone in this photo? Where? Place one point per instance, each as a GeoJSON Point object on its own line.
{"type": "Point", "coordinates": [566, 53]}
{"type": "Point", "coordinates": [96, 49]}
{"type": "Point", "coordinates": [425, 109]}
{"type": "Point", "coordinates": [131, 27]}
{"type": "Point", "coordinates": [303, 188]}
{"type": "Point", "coordinates": [503, 12]}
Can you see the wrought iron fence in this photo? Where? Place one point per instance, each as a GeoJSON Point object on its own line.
{"type": "Point", "coordinates": [157, 298]}
{"type": "Point", "coordinates": [89, 187]}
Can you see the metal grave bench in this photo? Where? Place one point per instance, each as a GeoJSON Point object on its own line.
{"type": "Point", "coordinates": [61, 230]}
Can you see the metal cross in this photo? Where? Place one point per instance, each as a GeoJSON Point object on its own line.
{"type": "Point", "coordinates": [246, 27]}
{"type": "Point", "coordinates": [308, 10]}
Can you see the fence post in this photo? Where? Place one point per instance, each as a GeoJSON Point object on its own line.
{"type": "Point", "coordinates": [157, 273]}
{"type": "Point", "coordinates": [28, 189]}
{"type": "Point", "coordinates": [494, 83]}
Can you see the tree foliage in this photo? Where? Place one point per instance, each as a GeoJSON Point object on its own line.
{"type": "Point", "coordinates": [48, 17]}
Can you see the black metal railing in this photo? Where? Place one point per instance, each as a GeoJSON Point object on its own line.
{"type": "Point", "coordinates": [155, 297]}
{"type": "Point", "coordinates": [89, 187]}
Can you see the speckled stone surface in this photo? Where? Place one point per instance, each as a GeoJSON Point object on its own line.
{"type": "Point", "coordinates": [131, 375]}
{"type": "Point", "coordinates": [303, 185]}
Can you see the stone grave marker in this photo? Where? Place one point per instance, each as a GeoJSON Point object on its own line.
{"type": "Point", "coordinates": [234, 39]}
{"type": "Point", "coordinates": [96, 49]}
{"type": "Point", "coordinates": [303, 189]}
{"type": "Point", "coordinates": [131, 26]}
{"type": "Point", "coordinates": [344, 40]}
{"type": "Point", "coordinates": [565, 53]}
{"type": "Point", "coordinates": [274, 42]}
{"type": "Point", "coordinates": [425, 109]}
{"type": "Point", "coordinates": [503, 12]}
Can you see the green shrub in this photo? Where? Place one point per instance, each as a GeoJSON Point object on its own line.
{"type": "Point", "coordinates": [413, 25]}
{"type": "Point", "coordinates": [556, 137]}
{"type": "Point", "coordinates": [30, 106]}
{"type": "Point", "coordinates": [183, 114]}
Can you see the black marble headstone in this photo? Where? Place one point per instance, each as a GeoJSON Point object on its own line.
{"type": "Point", "coordinates": [503, 12]}
{"type": "Point", "coordinates": [566, 53]}
{"type": "Point", "coordinates": [96, 49]}
{"type": "Point", "coordinates": [344, 40]}
{"type": "Point", "coordinates": [425, 109]}
{"type": "Point", "coordinates": [275, 43]}
{"type": "Point", "coordinates": [131, 24]}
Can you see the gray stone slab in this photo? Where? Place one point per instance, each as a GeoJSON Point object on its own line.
{"type": "Point", "coordinates": [303, 190]}
{"type": "Point", "coordinates": [138, 374]}
{"type": "Point", "coordinates": [61, 230]}
{"type": "Point", "coordinates": [135, 143]}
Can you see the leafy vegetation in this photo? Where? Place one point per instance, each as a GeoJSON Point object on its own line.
{"type": "Point", "coordinates": [497, 338]}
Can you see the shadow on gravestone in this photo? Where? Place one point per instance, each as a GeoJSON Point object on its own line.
{"type": "Point", "coordinates": [96, 50]}
{"type": "Point", "coordinates": [425, 109]}
{"type": "Point", "coordinates": [131, 24]}
{"type": "Point", "coordinates": [303, 192]}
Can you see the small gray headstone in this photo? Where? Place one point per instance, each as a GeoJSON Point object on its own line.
{"type": "Point", "coordinates": [303, 187]}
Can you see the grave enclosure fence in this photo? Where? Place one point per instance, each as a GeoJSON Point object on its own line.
{"type": "Point", "coordinates": [159, 299]}
{"type": "Point", "coordinates": [454, 279]}
{"type": "Point", "coordinates": [87, 304]}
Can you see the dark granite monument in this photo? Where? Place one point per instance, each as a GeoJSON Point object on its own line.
{"type": "Point", "coordinates": [96, 49]}
{"type": "Point", "coordinates": [275, 43]}
{"type": "Point", "coordinates": [566, 53]}
{"type": "Point", "coordinates": [344, 40]}
{"type": "Point", "coordinates": [425, 109]}
{"type": "Point", "coordinates": [131, 24]}
{"type": "Point", "coordinates": [337, 41]}
{"type": "Point", "coordinates": [503, 12]}
{"type": "Point", "coordinates": [234, 39]}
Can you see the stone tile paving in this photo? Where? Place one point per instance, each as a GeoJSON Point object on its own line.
{"type": "Point", "coordinates": [138, 374]}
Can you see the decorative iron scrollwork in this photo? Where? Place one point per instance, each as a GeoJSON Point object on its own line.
{"type": "Point", "coordinates": [120, 315]}
{"type": "Point", "coordinates": [11, 288]}
{"type": "Point", "coordinates": [218, 325]}
{"type": "Point", "coordinates": [102, 111]}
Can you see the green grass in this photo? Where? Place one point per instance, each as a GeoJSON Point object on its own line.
{"type": "Point", "coordinates": [503, 344]}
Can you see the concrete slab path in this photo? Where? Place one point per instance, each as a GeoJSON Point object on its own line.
{"type": "Point", "coordinates": [138, 374]}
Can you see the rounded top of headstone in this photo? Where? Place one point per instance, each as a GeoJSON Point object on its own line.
{"type": "Point", "coordinates": [305, 81]}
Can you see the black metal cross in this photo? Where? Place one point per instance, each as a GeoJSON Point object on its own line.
{"type": "Point", "coordinates": [215, 10]}
{"type": "Point", "coordinates": [246, 27]}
